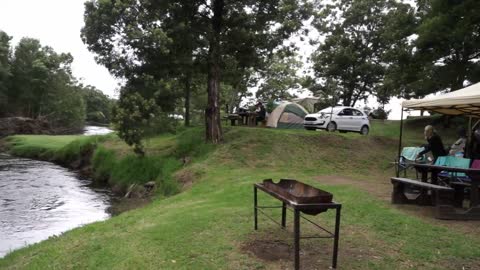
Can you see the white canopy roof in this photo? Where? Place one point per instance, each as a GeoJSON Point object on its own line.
{"type": "Point", "coordinates": [465, 101]}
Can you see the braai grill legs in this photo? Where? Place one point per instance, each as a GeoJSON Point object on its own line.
{"type": "Point", "coordinates": [296, 225]}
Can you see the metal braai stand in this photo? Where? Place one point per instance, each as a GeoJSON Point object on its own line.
{"type": "Point", "coordinates": [300, 198]}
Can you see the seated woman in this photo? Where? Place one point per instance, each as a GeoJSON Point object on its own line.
{"type": "Point", "coordinates": [434, 144]}
{"type": "Point", "coordinates": [458, 148]}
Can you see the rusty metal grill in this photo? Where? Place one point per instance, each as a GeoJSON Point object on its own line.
{"type": "Point", "coordinates": [300, 198]}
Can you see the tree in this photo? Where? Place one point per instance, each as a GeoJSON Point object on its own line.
{"type": "Point", "coordinates": [5, 73]}
{"type": "Point", "coordinates": [359, 35]}
{"type": "Point", "coordinates": [36, 69]}
{"type": "Point", "coordinates": [279, 77]}
{"type": "Point", "coordinates": [134, 38]}
{"type": "Point", "coordinates": [98, 105]}
{"type": "Point", "coordinates": [449, 42]}
{"type": "Point", "coordinates": [131, 115]}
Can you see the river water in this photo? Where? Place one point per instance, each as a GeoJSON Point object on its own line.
{"type": "Point", "coordinates": [39, 199]}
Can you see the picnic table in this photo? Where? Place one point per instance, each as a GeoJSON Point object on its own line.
{"type": "Point", "coordinates": [473, 212]}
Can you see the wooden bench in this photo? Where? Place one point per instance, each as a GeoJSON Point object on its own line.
{"type": "Point", "coordinates": [441, 195]}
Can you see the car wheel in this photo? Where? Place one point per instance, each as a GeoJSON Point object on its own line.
{"type": "Point", "coordinates": [310, 128]}
{"type": "Point", "coordinates": [364, 130]}
{"type": "Point", "coordinates": [331, 127]}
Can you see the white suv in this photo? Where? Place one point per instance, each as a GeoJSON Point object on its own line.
{"type": "Point", "coordinates": [338, 118]}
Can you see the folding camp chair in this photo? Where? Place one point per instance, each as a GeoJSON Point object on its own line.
{"type": "Point", "coordinates": [407, 158]}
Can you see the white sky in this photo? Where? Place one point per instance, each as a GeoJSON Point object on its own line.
{"type": "Point", "coordinates": [56, 23]}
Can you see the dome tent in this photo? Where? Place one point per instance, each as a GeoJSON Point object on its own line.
{"type": "Point", "coordinates": [287, 115]}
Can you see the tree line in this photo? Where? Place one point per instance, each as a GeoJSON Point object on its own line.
{"type": "Point", "coordinates": [37, 82]}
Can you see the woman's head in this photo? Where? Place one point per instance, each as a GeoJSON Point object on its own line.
{"type": "Point", "coordinates": [428, 132]}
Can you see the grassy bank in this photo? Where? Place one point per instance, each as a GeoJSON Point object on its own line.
{"type": "Point", "coordinates": [210, 224]}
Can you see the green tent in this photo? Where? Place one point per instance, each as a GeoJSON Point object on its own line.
{"type": "Point", "coordinates": [287, 115]}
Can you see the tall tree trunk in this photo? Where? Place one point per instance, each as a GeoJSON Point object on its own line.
{"type": "Point", "coordinates": [212, 112]}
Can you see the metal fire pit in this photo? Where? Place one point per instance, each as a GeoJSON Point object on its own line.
{"type": "Point", "coordinates": [303, 198]}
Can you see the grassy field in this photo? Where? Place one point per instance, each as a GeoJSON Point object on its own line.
{"type": "Point", "coordinates": [209, 225]}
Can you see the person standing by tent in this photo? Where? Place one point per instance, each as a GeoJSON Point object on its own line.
{"type": "Point", "coordinates": [261, 112]}
{"type": "Point", "coordinates": [434, 145]}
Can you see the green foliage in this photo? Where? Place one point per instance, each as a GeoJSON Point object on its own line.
{"type": "Point", "coordinates": [380, 113]}
{"type": "Point", "coordinates": [66, 107]}
{"type": "Point", "coordinates": [133, 169]}
{"type": "Point", "coordinates": [449, 42]}
{"type": "Point", "coordinates": [280, 76]}
{"type": "Point", "coordinates": [36, 82]}
{"type": "Point", "coordinates": [174, 42]}
{"type": "Point", "coordinates": [352, 60]}
{"type": "Point", "coordinates": [78, 149]}
{"type": "Point", "coordinates": [191, 143]}
{"type": "Point", "coordinates": [103, 163]}
{"type": "Point", "coordinates": [5, 73]}
{"type": "Point", "coordinates": [131, 116]}
{"type": "Point", "coordinates": [98, 105]}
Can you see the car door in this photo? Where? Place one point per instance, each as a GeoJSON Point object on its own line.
{"type": "Point", "coordinates": [344, 119]}
{"type": "Point", "coordinates": [358, 119]}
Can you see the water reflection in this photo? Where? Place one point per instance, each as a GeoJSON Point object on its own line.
{"type": "Point", "coordinates": [39, 199]}
{"type": "Point", "coordinates": [96, 130]}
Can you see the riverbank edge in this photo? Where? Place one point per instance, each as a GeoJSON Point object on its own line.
{"type": "Point", "coordinates": [125, 197]}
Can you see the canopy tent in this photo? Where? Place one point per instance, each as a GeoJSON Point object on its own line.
{"type": "Point", "coordinates": [308, 103]}
{"type": "Point", "coordinates": [287, 115]}
{"type": "Point", "coordinates": [465, 101]}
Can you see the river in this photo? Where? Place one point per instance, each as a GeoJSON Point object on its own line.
{"type": "Point", "coordinates": [39, 199]}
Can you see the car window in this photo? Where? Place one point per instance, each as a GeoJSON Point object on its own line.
{"type": "Point", "coordinates": [346, 112]}
{"type": "Point", "coordinates": [357, 113]}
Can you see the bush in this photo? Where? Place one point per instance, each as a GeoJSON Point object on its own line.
{"type": "Point", "coordinates": [133, 169]}
{"type": "Point", "coordinates": [78, 148]}
{"type": "Point", "coordinates": [380, 113]}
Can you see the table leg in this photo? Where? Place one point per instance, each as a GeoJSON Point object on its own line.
{"type": "Point", "coordinates": [255, 211]}
{"type": "Point", "coordinates": [284, 214]}
{"type": "Point", "coordinates": [474, 192]}
{"type": "Point", "coordinates": [423, 192]}
{"type": "Point", "coordinates": [424, 175]}
{"type": "Point", "coordinates": [434, 177]}
{"type": "Point", "coordinates": [296, 238]}
{"type": "Point", "coordinates": [337, 237]}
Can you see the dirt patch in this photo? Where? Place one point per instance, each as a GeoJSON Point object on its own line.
{"type": "Point", "coordinates": [269, 250]}
{"type": "Point", "coordinates": [315, 253]}
{"type": "Point", "coordinates": [120, 205]}
{"type": "Point", "coordinates": [185, 178]}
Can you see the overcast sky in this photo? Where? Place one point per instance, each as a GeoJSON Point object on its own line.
{"type": "Point", "coordinates": [56, 23]}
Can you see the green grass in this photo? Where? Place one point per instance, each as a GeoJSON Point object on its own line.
{"type": "Point", "coordinates": [38, 145]}
{"type": "Point", "coordinates": [207, 225]}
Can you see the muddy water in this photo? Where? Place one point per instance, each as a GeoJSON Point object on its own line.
{"type": "Point", "coordinates": [39, 199]}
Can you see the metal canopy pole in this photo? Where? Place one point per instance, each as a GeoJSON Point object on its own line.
{"type": "Point", "coordinates": [468, 145]}
{"type": "Point", "coordinates": [400, 140]}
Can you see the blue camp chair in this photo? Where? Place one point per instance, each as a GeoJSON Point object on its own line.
{"type": "Point", "coordinates": [408, 158]}
{"type": "Point", "coordinates": [451, 161]}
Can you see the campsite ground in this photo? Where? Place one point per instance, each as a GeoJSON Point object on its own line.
{"type": "Point", "coordinates": [209, 224]}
